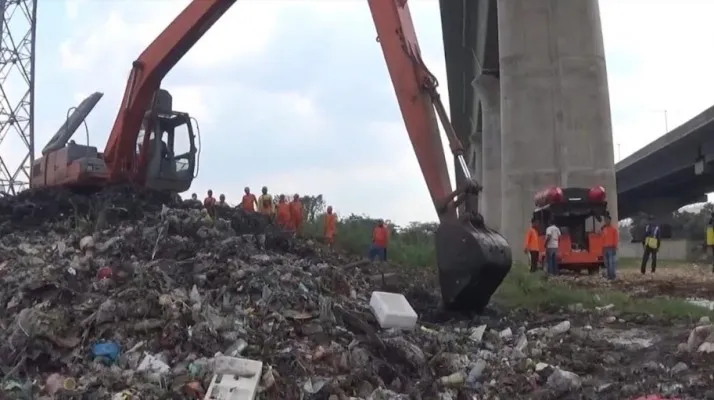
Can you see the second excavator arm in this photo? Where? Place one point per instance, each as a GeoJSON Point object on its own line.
{"type": "Point", "coordinates": [146, 75]}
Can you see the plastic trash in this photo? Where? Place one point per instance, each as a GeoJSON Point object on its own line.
{"type": "Point", "coordinates": [154, 367]}
{"type": "Point", "coordinates": [106, 351]}
{"type": "Point", "coordinates": [235, 379]}
{"type": "Point", "coordinates": [392, 310]}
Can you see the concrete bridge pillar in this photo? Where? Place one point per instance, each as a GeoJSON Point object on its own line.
{"type": "Point", "coordinates": [555, 110]}
{"type": "Point", "coordinates": [470, 138]}
{"type": "Point", "coordinates": [489, 92]}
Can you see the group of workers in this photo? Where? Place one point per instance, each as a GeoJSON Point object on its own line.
{"type": "Point", "coordinates": [610, 237]}
{"type": "Point", "coordinates": [289, 215]}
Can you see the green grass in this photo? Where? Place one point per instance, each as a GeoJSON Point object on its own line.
{"type": "Point", "coordinates": [521, 289]}
{"type": "Point", "coordinates": [634, 263]}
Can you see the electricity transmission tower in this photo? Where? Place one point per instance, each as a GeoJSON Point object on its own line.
{"type": "Point", "coordinates": [17, 93]}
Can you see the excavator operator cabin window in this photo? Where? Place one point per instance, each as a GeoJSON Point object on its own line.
{"type": "Point", "coordinates": [140, 139]}
{"type": "Point", "coordinates": [182, 147]}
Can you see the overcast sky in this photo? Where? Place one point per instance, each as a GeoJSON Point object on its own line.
{"type": "Point", "coordinates": [295, 95]}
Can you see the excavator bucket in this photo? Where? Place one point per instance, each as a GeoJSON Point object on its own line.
{"type": "Point", "coordinates": [472, 264]}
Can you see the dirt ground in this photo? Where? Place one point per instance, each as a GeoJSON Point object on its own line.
{"type": "Point", "coordinates": [673, 279]}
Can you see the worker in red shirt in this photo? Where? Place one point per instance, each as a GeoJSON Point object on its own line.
{"type": "Point", "coordinates": [610, 241]}
{"type": "Point", "coordinates": [283, 217]}
{"type": "Point", "coordinates": [209, 200]}
{"type": "Point", "coordinates": [380, 241]}
{"type": "Point", "coordinates": [249, 202]}
{"type": "Point", "coordinates": [210, 203]}
{"type": "Point", "coordinates": [296, 213]}
{"type": "Point", "coordinates": [330, 226]}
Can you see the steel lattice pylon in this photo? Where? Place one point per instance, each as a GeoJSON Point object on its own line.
{"type": "Point", "coordinates": [17, 93]}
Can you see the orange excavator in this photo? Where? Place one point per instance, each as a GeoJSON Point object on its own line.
{"type": "Point", "coordinates": [473, 260]}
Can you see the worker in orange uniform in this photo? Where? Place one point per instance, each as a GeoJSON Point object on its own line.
{"type": "Point", "coordinates": [210, 203]}
{"type": "Point", "coordinates": [265, 202]}
{"type": "Point", "coordinates": [283, 217]}
{"type": "Point", "coordinates": [531, 247]}
{"type": "Point", "coordinates": [610, 241]}
{"type": "Point", "coordinates": [380, 241]}
{"type": "Point", "coordinates": [296, 213]}
{"type": "Point", "coordinates": [330, 226]}
{"type": "Point", "coordinates": [249, 201]}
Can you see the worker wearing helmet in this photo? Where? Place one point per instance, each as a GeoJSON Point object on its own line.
{"type": "Point", "coordinates": [249, 201]}
{"type": "Point", "coordinates": [330, 226]}
{"type": "Point", "coordinates": [283, 217]}
{"type": "Point", "coordinates": [296, 213]}
{"type": "Point", "coordinates": [265, 202]}
{"type": "Point", "coordinates": [380, 241]}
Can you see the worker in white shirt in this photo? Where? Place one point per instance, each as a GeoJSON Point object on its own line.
{"type": "Point", "coordinates": [552, 236]}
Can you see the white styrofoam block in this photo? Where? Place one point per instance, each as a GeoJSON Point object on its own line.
{"type": "Point", "coordinates": [235, 379]}
{"type": "Point", "coordinates": [392, 310]}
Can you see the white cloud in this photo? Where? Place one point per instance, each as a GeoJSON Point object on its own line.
{"type": "Point", "coordinates": [126, 28]}
{"type": "Point", "coordinates": [72, 8]}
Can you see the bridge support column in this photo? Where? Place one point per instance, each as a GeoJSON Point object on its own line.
{"type": "Point", "coordinates": [555, 111]}
{"type": "Point", "coordinates": [471, 139]}
{"type": "Point", "coordinates": [489, 92]}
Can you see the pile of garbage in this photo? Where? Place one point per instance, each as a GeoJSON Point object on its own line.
{"type": "Point", "coordinates": [122, 296]}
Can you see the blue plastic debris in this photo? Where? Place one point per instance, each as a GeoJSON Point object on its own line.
{"type": "Point", "coordinates": [107, 352]}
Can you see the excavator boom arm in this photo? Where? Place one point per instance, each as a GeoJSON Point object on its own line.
{"type": "Point", "coordinates": [410, 78]}
{"type": "Point", "coordinates": [147, 73]}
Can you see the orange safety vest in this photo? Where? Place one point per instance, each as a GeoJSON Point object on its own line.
{"type": "Point", "coordinates": [610, 236]}
{"type": "Point", "coordinates": [330, 225]}
{"type": "Point", "coordinates": [380, 236]}
{"type": "Point", "coordinates": [283, 215]}
{"type": "Point", "coordinates": [531, 242]}
{"type": "Point", "coordinates": [296, 213]}
{"type": "Point", "coordinates": [249, 202]}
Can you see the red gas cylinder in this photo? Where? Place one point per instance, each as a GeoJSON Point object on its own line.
{"type": "Point", "coordinates": [597, 194]}
{"type": "Point", "coordinates": [549, 196]}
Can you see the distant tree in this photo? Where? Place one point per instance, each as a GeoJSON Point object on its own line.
{"type": "Point", "coordinates": [689, 225]}
{"type": "Point", "coordinates": [624, 228]}
{"type": "Point", "coordinates": [313, 206]}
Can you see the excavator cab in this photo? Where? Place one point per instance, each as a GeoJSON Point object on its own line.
{"type": "Point", "coordinates": [171, 160]}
